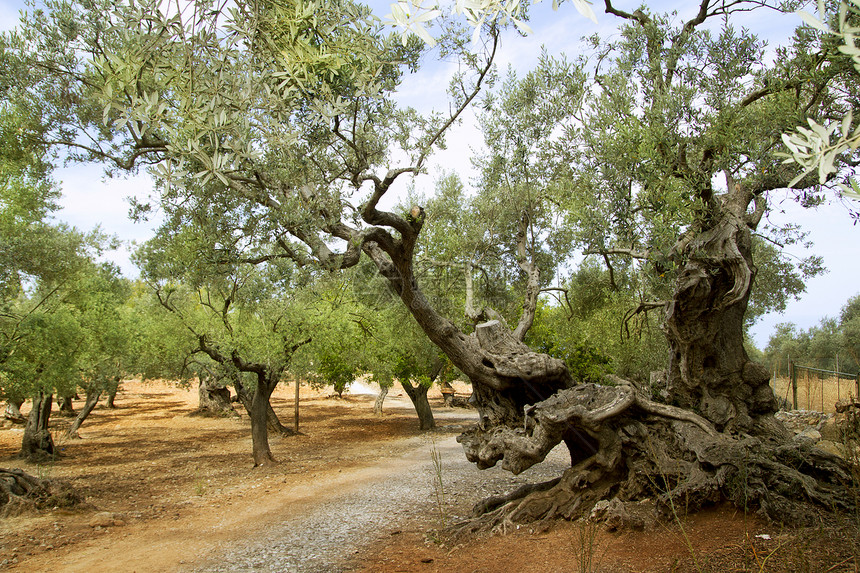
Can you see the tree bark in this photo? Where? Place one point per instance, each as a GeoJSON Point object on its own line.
{"type": "Point", "coordinates": [260, 407]}
{"type": "Point", "coordinates": [214, 397]}
{"type": "Point", "coordinates": [13, 410]}
{"type": "Point", "coordinates": [710, 371]}
{"type": "Point", "coordinates": [246, 399]}
{"type": "Point", "coordinates": [93, 396]}
{"type": "Point", "coordinates": [418, 395]}
{"type": "Point", "coordinates": [37, 444]}
{"type": "Point", "coordinates": [627, 448]}
{"type": "Point", "coordinates": [66, 404]}
{"type": "Point", "coordinates": [380, 398]}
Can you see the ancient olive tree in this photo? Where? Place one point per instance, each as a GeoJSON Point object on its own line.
{"type": "Point", "coordinates": [671, 108]}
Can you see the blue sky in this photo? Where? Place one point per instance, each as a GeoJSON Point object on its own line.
{"type": "Point", "coordinates": [89, 199]}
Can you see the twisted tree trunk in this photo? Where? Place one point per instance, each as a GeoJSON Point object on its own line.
{"type": "Point", "coordinates": [37, 445]}
{"type": "Point", "coordinates": [718, 441]}
{"type": "Point", "coordinates": [13, 410]}
{"type": "Point", "coordinates": [710, 370]}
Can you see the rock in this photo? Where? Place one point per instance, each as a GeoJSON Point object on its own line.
{"type": "Point", "coordinates": [830, 430]}
{"type": "Point", "coordinates": [808, 434]}
{"type": "Point", "coordinates": [831, 447]}
{"type": "Point", "coordinates": [106, 519]}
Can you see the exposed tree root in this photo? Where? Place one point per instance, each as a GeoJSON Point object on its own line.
{"type": "Point", "coordinates": [626, 449]}
{"type": "Point", "coordinates": [21, 493]}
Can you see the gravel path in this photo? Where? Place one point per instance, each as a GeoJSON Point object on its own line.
{"type": "Point", "coordinates": [340, 518]}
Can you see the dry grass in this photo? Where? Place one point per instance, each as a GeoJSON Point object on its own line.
{"type": "Point", "coordinates": [814, 392]}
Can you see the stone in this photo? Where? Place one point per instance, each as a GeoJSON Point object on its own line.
{"type": "Point", "coordinates": [830, 430]}
{"type": "Point", "coordinates": [831, 448]}
{"type": "Point", "coordinates": [808, 434]}
{"type": "Point", "coordinates": [106, 519]}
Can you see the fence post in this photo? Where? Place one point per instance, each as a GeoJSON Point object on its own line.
{"type": "Point", "coordinates": [857, 387]}
{"type": "Point", "coordinates": [792, 373]}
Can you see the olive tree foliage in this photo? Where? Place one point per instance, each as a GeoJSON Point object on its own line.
{"type": "Point", "coordinates": [240, 321]}
{"type": "Point", "coordinates": [825, 146]}
{"type": "Point", "coordinates": [412, 16]}
{"type": "Point", "coordinates": [58, 308]}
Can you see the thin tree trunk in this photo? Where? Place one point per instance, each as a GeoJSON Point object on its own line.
{"type": "Point", "coordinates": [418, 395]}
{"type": "Point", "coordinates": [247, 399]}
{"type": "Point", "coordinates": [380, 398]}
{"type": "Point", "coordinates": [296, 414]}
{"type": "Point", "coordinates": [260, 407]}
{"type": "Point", "coordinates": [93, 396]}
{"type": "Point", "coordinates": [37, 443]}
{"type": "Point", "coordinates": [111, 394]}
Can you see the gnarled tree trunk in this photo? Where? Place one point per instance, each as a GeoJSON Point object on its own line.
{"type": "Point", "coordinates": [66, 404]}
{"type": "Point", "coordinates": [13, 410]}
{"type": "Point", "coordinates": [214, 397]}
{"type": "Point", "coordinates": [710, 370]}
{"type": "Point", "coordinates": [718, 441]}
{"type": "Point", "coordinates": [37, 444]}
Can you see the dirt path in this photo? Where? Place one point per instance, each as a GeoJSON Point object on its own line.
{"type": "Point", "coordinates": [325, 525]}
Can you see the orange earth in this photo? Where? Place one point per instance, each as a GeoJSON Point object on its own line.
{"type": "Point", "coordinates": [167, 490]}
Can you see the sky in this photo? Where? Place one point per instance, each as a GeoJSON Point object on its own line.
{"type": "Point", "coordinates": [90, 199]}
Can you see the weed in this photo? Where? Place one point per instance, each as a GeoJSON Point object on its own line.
{"type": "Point", "coordinates": [584, 544]}
{"type": "Point", "coordinates": [199, 484]}
{"type": "Point", "coordinates": [438, 484]}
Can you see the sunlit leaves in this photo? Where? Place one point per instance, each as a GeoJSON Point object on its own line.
{"type": "Point", "coordinates": [820, 148]}
{"type": "Point", "coordinates": [411, 16]}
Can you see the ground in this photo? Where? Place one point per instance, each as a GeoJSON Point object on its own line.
{"type": "Point", "coordinates": [167, 490]}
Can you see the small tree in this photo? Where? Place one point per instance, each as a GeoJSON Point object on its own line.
{"type": "Point", "coordinates": [242, 323]}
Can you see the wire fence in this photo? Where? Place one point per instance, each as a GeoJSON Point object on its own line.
{"type": "Point", "coordinates": [808, 388]}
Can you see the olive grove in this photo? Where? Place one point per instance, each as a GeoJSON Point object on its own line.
{"type": "Point", "coordinates": [273, 129]}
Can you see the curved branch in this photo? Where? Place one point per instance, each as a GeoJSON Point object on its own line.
{"type": "Point", "coordinates": [641, 255]}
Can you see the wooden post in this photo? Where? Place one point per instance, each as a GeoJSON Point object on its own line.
{"type": "Point", "coordinates": [857, 387]}
{"type": "Point", "coordinates": [296, 417]}
{"type": "Point", "coordinates": [838, 385]}
{"type": "Point", "coordinates": [792, 373]}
